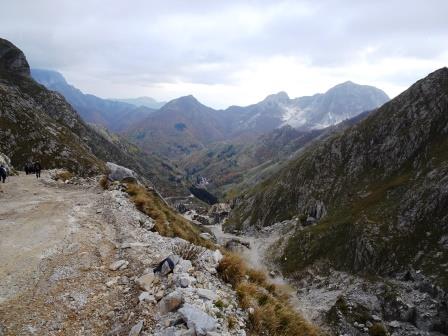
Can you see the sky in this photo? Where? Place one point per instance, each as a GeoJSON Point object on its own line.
{"type": "Point", "coordinates": [229, 52]}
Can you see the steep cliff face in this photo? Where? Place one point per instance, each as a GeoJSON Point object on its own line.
{"type": "Point", "coordinates": [378, 191]}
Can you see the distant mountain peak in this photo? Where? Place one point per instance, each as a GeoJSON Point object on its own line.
{"type": "Point", "coordinates": [184, 102]}
{"type": "Point", "coordinates": [48, 77]}
{"type": "Point", "coordinates": [278, 97]}
{"type": "Point", "coordinates": [12, 59]}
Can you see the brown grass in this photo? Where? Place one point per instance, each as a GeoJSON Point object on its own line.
{"type": "Point", "coordinates": [104, 182]}
{"type": "Point", "coordinates": [167, 222]}
{"type": "Point", "coordinates": [64, 175]}
{"type": "Point", "coordinates": [188, 251]}
{"type": "Point", "coordinates": [273, 315]}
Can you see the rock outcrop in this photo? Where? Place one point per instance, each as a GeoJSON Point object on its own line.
{"type": "Point", "coordinates": [12, 60]}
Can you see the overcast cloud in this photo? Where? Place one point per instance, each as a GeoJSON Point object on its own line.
{"type": "Point", "coordinates": [229, 52]}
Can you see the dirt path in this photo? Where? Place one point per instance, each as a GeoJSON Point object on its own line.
{"type": "Point", "coordinates": [35, 221]}
{"type": "Point", "coordinates": [56, 244]}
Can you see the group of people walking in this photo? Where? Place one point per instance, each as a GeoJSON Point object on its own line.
{"type": "Point", "coordinates": [33, 168]}
{"type": "Point", "coordinates": [30, 168]}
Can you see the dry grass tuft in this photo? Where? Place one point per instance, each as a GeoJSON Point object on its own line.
{"type": "Point", "coordinates": [232, 269]}
{"type": "Point", "coordinates": [104, 182]}
{"type": "Point", "coordinates": [64, 175]}
{"type": "Point", "coordinates": [167, 221]}
{"type": "Point", "coordinates": [188, 251]}
{"type": "Point", "coordinates": [273, 315]}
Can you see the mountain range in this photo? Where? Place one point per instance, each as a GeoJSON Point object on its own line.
{"type": "Point", "coordinates": [112, 114]}
{"type": "Point", "coordinates": [371, 198]}
{"type": "Point", "coordinates": [184, 125]}
{"type": "Point", "coordinates": [142, 101]}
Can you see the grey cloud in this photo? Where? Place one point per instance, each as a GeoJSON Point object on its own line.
{"type": "Point", "coordinates": [208, 42]}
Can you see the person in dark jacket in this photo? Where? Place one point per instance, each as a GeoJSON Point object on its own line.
{"type": "Point", "coordinates": [37, 168]}
{"type": "Point", "coordinates": [29, 168]}
{"type": "Point", "coordinates": [3, 173]}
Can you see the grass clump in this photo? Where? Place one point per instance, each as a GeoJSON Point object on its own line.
{"type": "Point", "coordinates": [104, 182]}
{"type": "Point", "coordinates": [378, 329]}
{"type": "Point", "coordinates": [272, 314]}
{"type": "Point", "coordinates": [167, 222]}
{"type": "Point", "coordinates": [64, 175]}
{"type": "Point", "coordinates": [188, 251]}
{"type": "Point", "coordinates": [220, 304]}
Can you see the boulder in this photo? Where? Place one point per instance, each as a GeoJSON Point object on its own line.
{"type": "Point", "coordinates": [197, 320]}
{"type": "Point", "coordinates": [145, 281]}
{"type": "Point", "coordinates": [170, 302]}
{"type": "Point", "coordinates": [118, 173]}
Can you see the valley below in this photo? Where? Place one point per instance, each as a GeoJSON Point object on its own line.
{"type": "Point", "coordinates": [338, 302]}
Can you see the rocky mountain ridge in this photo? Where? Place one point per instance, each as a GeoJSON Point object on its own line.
{"type": "Point", "coordinates": [184, 126]}
{"type": "Point", "coordinates": [376, 192]}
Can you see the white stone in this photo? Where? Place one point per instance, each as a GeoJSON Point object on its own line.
{"type": "Point", "coordinates": [119, 264]}
{"type": "Point", "coordinates": [206, 294]}
{"type": "Point", "coordinates": [217, 256]}
{"type": "Point", "coordinates": [136, 329]}
{"type": "Point", "coordinates": [197, 319]}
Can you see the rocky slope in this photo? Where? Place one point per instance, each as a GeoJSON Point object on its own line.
{"type": "Point", "coordinates": [114, 115]}
{"type": "Point", "coordinates": [371, 199]}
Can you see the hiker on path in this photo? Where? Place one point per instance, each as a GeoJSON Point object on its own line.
{"type": "Point", "coordinates": [3, 173]}
{"type": "Point", "coordinates": [37, 168]}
